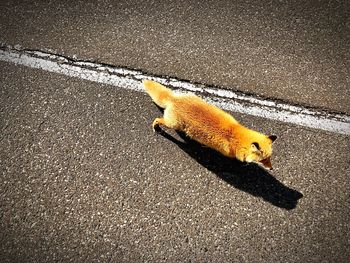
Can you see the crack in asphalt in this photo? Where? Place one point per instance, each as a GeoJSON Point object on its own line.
{"type": "Point", "coordinates": [226, 98]}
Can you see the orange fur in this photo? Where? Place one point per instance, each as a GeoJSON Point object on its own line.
{"type": "Point", "coordinates": [210, 125]}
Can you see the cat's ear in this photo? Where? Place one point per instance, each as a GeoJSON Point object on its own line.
{"type": "Point", "coordinates": [273, 138]}
{"type": "Point", "coordinates": [255, 147]}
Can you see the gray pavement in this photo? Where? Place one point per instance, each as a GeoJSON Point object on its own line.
{"type": "Point", "coordinates": [85, 179]}
{"type": "Point", "coordinates": [290, 50]}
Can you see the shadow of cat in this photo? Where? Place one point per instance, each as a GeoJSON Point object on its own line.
{"type": "Point", "coordinates": [249, 178]}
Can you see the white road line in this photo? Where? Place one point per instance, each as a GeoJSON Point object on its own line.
{"type": "Point", "coordinates": [226, 99]}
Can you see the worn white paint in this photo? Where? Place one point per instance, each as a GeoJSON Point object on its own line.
{"type": "Point", "coordinates": [226, 99]}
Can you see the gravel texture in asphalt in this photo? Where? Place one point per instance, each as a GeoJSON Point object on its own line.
{"type": "Point", "coordinates": [85, 179]}
{"type": "Point", "coordinates": [295, 51]}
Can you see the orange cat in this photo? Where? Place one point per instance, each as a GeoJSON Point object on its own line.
{"type": "Point", "coordinates": [210, 126]}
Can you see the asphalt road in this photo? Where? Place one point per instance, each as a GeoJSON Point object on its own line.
{"type": "Point", "coordinates": [295, 51]}
{"type": "Point", "coordinates": [85, 179]}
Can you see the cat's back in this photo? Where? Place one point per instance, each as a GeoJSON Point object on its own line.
{"type": "Point", "coordinates": [196, 110]}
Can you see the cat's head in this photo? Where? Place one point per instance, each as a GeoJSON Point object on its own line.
{"type": "Point", "coordinates": [259, 151]}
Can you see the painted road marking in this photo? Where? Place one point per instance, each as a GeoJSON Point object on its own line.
{"type": "Point", "coordinates": [227, 99]}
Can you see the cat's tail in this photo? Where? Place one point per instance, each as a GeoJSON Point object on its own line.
{"type": "Point", "coordinates": [161, 95]}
